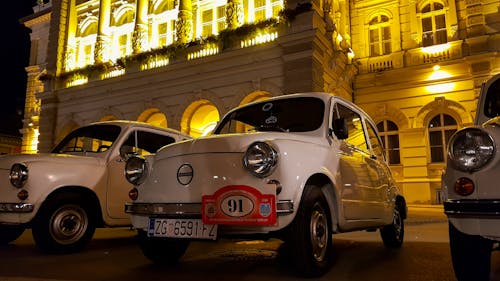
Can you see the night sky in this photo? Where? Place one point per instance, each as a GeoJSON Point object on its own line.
{"type": "Point", "coordinates": [14, 57]}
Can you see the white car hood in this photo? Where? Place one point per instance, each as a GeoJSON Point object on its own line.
{"type": "Point", "coordinates": [6, 161]}
{"type": "Point", "coordinates": [231, 143]}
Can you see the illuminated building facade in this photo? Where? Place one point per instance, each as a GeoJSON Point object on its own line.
{"type": "Point", "coordinates": [414, 66]}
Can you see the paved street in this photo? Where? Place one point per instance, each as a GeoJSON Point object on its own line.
{"type": "Point", "coordinates": [113, 255]}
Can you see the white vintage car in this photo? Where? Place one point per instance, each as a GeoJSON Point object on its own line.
{"type": "Point", "coordinates": [64, 195]}
{"type": "Point", "coordinates": [298, 167]}
{"type": "Point", "coordinates": [471, 188]}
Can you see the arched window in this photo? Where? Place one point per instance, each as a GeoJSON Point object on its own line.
{"type": "Point", "coordinates": [380, 36]}
{"type": "Point", "coordinates": [441, 127]}
{"type": "Point", "coordinates": [389, 134]}
{"type": "Point", "coordinates": [433, 25]}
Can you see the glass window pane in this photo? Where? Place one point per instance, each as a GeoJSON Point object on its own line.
{"type": "Point", "coordinates": [435, 122]}
{"type": "Point", "coordinates": [391, 126]}
{"type": "Point", "coordinates": [393, 141]}
{"type": "Point", "coordinates": [426, 24]}
{"type": "Point", "coordinates": [435, 138]}
{"type": "Point", "coordinates": [374, 36]}
{"type": "Point", "coordinates": [394, 157]}
{"type": "Point", "coordinates": [440, 21]}
{"type": "Point", "coordinates": [426, 9]}
{"type": "Point", "coordinates": [448, 120]}
{"type": "Point", "coordinates": [437, 154]}
{"type": "Point", "coordinates": [380, 126]}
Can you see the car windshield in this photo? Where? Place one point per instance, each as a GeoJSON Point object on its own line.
{"type": "Point", "coordinates": [492, 103]}
{"type": "Point", "coordinates": [94, 138]}
{"type": "Point", "coordinates": [300, 114]}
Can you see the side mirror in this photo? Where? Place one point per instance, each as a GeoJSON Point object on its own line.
{"type": "Point", "coordinates": [340, 128]}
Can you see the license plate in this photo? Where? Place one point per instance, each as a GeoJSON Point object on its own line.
{"type": "Point", "coordinates": [182, 228]}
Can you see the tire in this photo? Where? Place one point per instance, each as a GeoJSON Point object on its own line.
{"type": "Point", "coordinates": [308, 243]}
{"type": "Point", "coordinates": [166, 251]}
{"type": "Point", "coordinates": [9, 233]}
{"type": "Point", "coordinates": [393, 234]}
{"type": "Point", "coordinates": [470, 255]}
{"type": "Point", "coordinates": [65, 224]}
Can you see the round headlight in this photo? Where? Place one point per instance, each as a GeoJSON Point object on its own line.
{"type": "Point", "coordinates": [136, 170]}
{"type": "Point", "coordinates": [18, 175]}
{"type": "Point", "coordinates": [470, 149]}
{"type": "Point", "coordinates": [260, 159]}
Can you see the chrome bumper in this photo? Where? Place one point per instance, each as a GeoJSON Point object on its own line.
{"type": "Point", "coordinates": [16, 208]}
{"type": "Point", "coordinates": [190, 209]}
{"type": "Point", "coordinates": [472, 208]}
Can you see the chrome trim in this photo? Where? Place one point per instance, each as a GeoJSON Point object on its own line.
{"type": "Point", "coordinates": [190, 209]}
{"type": "Point", "coordinates": [16, 208]}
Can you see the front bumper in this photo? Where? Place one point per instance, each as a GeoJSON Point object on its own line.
{"type": "Point", "coordinates": [187, 210]}
{"type": "Point", "coordinates": [16, 208]}
{"type": "Point", "coordinates": [473, 208]}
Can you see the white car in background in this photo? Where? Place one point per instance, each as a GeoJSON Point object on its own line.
{"type": "Point", "coordinates": [298, 167]}
{"type": "Point", "coordinates": [471, 188]}
{"type": "Point", "coordinates": [64, 195]}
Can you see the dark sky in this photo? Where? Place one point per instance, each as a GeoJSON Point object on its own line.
{"type": "Point", "coordinates": [14, 57]}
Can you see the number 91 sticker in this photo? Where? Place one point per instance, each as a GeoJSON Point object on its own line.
{"type": "Point", "coordinates": [239, 204]}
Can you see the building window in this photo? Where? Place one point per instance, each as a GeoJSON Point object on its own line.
{"type": "Point", "coordinates": [433, 25]}
{"type": "Point", "coordinates": [389, 134]}
{"type": "Point", "coordinates": [380, 36]}
{"type": "Point", "coordinates": [166, 33]}
{"type": "Point", "coordinates": [213, 21]}
{"type": "Point", "coordinates": [441, 127]}
{"type": "Point", "coordinates": [265, 9]}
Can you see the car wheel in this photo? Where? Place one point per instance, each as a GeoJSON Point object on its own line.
{"type": "Point", "coordinates": [393, 234]}
{"type": "Point", "coordinates": [9, 233]}
{"type": "Point", "coordinates": [162, 250]}
{"type": "Point", "coordinates": [470, 255]}
{"type": "Point", "coordinates": [308, 242]}
{"type": "Point", "coordinates": [64, 224]}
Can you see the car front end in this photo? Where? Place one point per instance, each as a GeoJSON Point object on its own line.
{"type": "Point", "coordinates": [241, 182]}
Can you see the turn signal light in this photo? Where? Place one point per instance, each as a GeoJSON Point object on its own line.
{"type": "Point", "coordinates": [133, 193]}
{"type": "Point", "coordinates": [464, 186]}
{"type": "Point", "coordinates": [22, 194]}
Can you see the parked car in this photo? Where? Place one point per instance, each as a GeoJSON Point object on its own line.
{"type": "Point", "coordinates": [64, 195]}
{"type": "Point", "coordinates": [299, 167]}
{"type": "Point", "coordinates": [472, 196]}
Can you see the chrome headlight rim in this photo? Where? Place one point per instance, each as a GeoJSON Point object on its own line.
{"type": "Point", "coordinates": [466, 154]}
{"type": "Point", "coordinates": [136, 170]}
{"type": "Point", "coordinates": [18, 175]}
{"type": "Point", "coordinates": [260, 158]}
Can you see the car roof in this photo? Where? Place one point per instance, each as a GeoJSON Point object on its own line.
{"type": "Point", "coordinates": [138, 124]}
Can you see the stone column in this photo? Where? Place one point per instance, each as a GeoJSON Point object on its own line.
{"type": "Point", "coordinates": [184, 24]}
{"type": "Point", "coordinates": [69, 58]}
{"type": "Point", "coordinates": [103, 43]}
{"type": "Point", "coordinates": [140, 37]}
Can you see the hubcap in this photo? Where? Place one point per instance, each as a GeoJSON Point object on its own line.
{"type": "Point", "coordinates": [319, 233]}
{"type": "Point", "coordinates": [68, 224]}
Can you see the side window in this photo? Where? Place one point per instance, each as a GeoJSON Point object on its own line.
{"type": "Point", "coordinates": [144, 143]}
{"type": "Point", "coordinates": [377, 146]}
{"type": "Point", "coordinates": [441, 127]}
{"type": "Point", "coordinates": [354, 127]}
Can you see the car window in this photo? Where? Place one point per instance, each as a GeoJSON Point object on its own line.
{"type": "Point", "coordinates": [492, 102]}
{"type": "Point", "coordinates": [144, 143]}
{"type": "Point", "coordinates": [300, 114]}
{"type": "Point", "coordinates": [377, 147]}
{"type": "Point", "coordinates": [95, 138]}
{"type": "Point", "coordinates": [356, 136]}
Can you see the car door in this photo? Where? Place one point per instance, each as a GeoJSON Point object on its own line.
{"type": "Point", "coordinates": [138, 141]}
{"type": "Point", "coordinates": [357, 172]}
{"type": "Point", "coordinates": [383, 188]}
